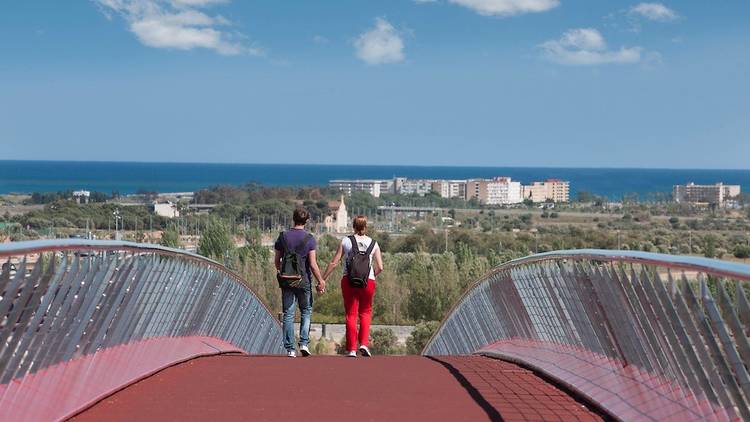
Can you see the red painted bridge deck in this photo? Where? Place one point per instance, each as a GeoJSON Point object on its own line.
{"type": "Point", "coordinates": [383, 388]}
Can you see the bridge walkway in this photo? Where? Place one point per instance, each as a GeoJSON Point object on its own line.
{"type": "Point", "coordinates": [333, 388]}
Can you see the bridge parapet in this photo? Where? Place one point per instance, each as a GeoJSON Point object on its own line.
{"type": "Point", "coordinates": [644, 336]}
{"type": "Point", "coordinates": [80, 319]}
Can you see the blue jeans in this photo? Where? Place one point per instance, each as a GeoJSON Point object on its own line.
{"type": "Point", "coordinates": [290, 297]}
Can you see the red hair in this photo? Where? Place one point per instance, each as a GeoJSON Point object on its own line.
{"type": "Point", "coordinates": [360, 225]}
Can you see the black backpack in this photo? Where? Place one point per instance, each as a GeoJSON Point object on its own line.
{"type": "Point", "coordinates": [293, 264]}
{"type": "Point", "coordinates": [358, 264]}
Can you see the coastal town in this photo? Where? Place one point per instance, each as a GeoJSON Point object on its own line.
{"type": "Point", "coordinates": [503, 190]}
{"type": "Point", "coordinates": [495, 191]}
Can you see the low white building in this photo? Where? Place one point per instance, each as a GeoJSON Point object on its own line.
{"type": "Point", "coordinates": [82, 196]}
{"type": "Point", "coordinates": [166, 209]}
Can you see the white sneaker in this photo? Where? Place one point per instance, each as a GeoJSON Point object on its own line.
{"type": "Point", "coordinates": [305, 351]}
{"type": "Point", "coordinates": [364, 351]}
{"type": "Point", "coordinates": [352, 354]}
{"type": "Point", "coordinates": [291, 354]}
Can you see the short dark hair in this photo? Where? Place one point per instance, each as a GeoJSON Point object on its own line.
{"type": "Point", "coordinates": [300, 216]}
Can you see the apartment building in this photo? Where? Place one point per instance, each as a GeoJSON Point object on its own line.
{"type": "Point", "coordinates": [450, 188]}
{"type": "Point", "coordinates": [411, 187]}
{"type": "Point", "coordinates": [496, 191]}
{"type": "Point", "coordinates": [398, 183]}
{"type": "Point", "coordinates": [503, 191]}
{"type": "Point", "coordinates": [373, 187]}
{"type": "Point", "coordinates": [549, 190]}
{"type": "Point", "coordinates": [717, 194]}
{"type": "Point", "coordinates": [731, 191]}
{"type": "Point", "coordinates": [476, 189]}
{"type": "Point", "coordinates": [536, 192]}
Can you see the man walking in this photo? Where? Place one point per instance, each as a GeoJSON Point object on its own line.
{"type": "Point", "coordinates": [296, 263]}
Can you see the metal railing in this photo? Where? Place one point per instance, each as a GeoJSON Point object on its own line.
{"type": "Point", "coordinates": [70, 301]}
{"type": "Point", "coordinates": [660, 325]}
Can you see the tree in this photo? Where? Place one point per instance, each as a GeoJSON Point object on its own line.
{"type": "Point", "coordinates": [583, 196]}
{"type": "Point", "coordinates": [709, 246]}
{"type": "Point", "coordinates": [98, 197]}
{"type": "Point", "coordinates": [253, 262]}
{"type": "Point", "coordinates": [227, 212]}
{"type": "Point", "coordinates": [362, 201]}
{"type": "Point", "coordinates": [253, 239]}
{"type": "Point", "coordinates": [216, 241]}
{"type": "Point", "coordinates": [383, 341]}
{"type": "Point", "coordinates": [170, 238]}
{"type": "Point", "coordinates": [418, 339]}
{"type": "Point", "coordinates": [742, 251]}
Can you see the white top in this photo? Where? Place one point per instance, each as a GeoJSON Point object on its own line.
{"type": "Point", "coordinates": [363, 242]}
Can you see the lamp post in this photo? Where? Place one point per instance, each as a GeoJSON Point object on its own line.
{"type": "Point", "coordinates": [116, 214]}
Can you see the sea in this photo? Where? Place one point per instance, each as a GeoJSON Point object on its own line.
{"type": "Point", "coordinates": [132, 177]}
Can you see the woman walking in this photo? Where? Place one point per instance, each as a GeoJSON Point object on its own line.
{"type": "Point", "coordinates": [363, 262]}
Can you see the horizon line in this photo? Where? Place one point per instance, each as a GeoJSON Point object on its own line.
{"type": "Point", "coordinates": [378, 165]}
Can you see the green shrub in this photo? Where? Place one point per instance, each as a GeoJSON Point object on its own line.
{"type": "Point", "coordinates": [384, 342]}
{"type": "Point", "coordinates": [420, 336]}
{"type": "Point", "coordinates": [742, 251]}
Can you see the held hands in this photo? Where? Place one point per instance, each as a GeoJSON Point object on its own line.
{"type": "Point", "coordinates": [321, 286]}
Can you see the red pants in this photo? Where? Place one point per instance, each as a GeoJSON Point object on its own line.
{"type": "Point", "coordinates": [357, 301]}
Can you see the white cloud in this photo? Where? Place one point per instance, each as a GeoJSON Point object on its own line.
{"type": "Point", "coordinates": [507, 7]}
{"type": "Point", "coordinates": [319, 39]}
{"type": "Point", "coordinates": [380, 45]}
{"type": "Point", "coordinates": [587, 47]}
{"type": "Point", "coordinates": [178, 24]}
{"type": "Point", "coordinates": [583, 39]}
{"type": "Point", "coordinates": [654, 11]}
{"type": "Point", "coordinates": [198, 3]}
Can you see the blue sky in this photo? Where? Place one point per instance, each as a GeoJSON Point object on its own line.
{"type": "Point", "coordinates": [574, 83]}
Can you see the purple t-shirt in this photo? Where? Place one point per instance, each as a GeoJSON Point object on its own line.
{"type": "Point", "coordinates": [293, 239]}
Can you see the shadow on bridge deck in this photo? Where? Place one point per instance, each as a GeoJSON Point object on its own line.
{"type": "Point", "coordinates": [238, 387]}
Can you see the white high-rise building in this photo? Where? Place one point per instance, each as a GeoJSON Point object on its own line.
{"type": "Point", "coordinates": [707, 194]}
{"type": "Point", "coordinates": [503, 191]}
